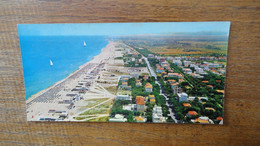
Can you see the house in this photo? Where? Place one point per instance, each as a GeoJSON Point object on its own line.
{"type": "Point", "coordinates": [182, 97]}
{"type": "Point", "coordinates": [125, 76]}
{"type": "Point", "coordinates": [203, 120]}
{"type": "Point", "coordinates": [124, 84]}
{"type": "Point", "coordinates": [169, 58]}
{"type": "Point", "coordinates": [135, 75]}
{"type": "Point", "coordinates": [221, 91]}
{"type": "Point", "coordinates": [127, 107]}
{"type": "Point", "coordinates": [186, 105]}
{"type": "Point", "coordinates": [125, 80]}
{"type": "Point", "coordinates": [118, 118]}
{"type": "Point", "coordinates": [123, 97]}
{"type": "Point", "coordinates": [146, 77]}
{"type": "Point", "coordinates": [205, 81]}
{"type": "Point", "coordinates": [140, 103]}
{"type": "Point", "coordinates": [163, 73]}
{"type": "Point", "coordinates": [128, 88]}
{"type": "Point", "coordinates": [199, 70]}
{"type": "Point", "coordinates": [191, 113]}
{"type": "Point", "coordinates": [177, 62]}
{"type": "Point", "coordinates": [151, 96]}
{"type": "Point", "coordinates": [187, 71]}
{"type": "Point", "coordinates": [186, 63]}
{"type": "Point", "coordinates": [135, 55]}
{"type": "Point", "coordinates": [165, 64]}
{"type": "Point", "coordinates": [150, 56]}
{"type": "Point", "coordinates": [222, 71]}
{"type": "Point", "coordinates": [219, 118]}
{"type": "Point", "coordinates": [191, 98]}
{"type": "Point", "coordinates": [177, 75]}
{"type": "Point", "coordinates": [197, 76]}
{"type": "Point", "coordinates": [210, 109]}
{"type": "Point", "coordinates": [159, 69]}
{"type": "Point", "coordinates": [140, 119]}
{"type": "Point", "coordinates": [215, 72]}
{"type": "Point", "coordinates": [162, 59]}
{"type": "Point", "coordinates": [210, 86]}
{"type": "Point", "coordinates": [203, 99]}
{"type": "Point", "coordinates": [174, 84]}
{"type": "Point", "coordinates": [138, 83]}
{"type": "Point", "coordinates": [158, 115]}
{"type": "Point", "coordinates": [172, 81]}
{"type": "Point", "coordinates": [181, 80]}
{"type": "Point", "coordinates": [152, 99]}
{"type": "Point", "coordinates": [218, 81]}
{"type": "Point", "coordinates": [148, 87]}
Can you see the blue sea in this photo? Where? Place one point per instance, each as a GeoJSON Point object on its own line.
{"type": "Point", "coordinates": [66, 52]}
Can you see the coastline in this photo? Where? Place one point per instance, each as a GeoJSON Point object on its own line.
{"type": "Point", "coordinates": [95, 59]}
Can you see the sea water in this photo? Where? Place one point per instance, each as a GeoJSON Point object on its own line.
{"type": "Point", "coordinates": [66, 52]}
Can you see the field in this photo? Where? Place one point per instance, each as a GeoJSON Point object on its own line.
{"type": "Point", "coordinates": [191, 47]}
{"type": "Point", "coordinates": [170, 45]}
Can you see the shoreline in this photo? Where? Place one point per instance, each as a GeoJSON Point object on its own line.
{"type": "Point", "coordinates": [93, 60]}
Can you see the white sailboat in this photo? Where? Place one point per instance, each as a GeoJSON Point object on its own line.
{"type": "Point", "coordinates": [51, 63]}
{"type": "Point", "coordinates": [85, 44]}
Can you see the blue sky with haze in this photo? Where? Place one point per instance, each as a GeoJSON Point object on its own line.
{"type": "Point", "coordinates": [117, 29]}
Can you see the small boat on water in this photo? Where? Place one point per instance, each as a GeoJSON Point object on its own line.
{"type": "Point", "coordinates": [51, 63]}
{"type": "Point", "coordinates": [85, 44]}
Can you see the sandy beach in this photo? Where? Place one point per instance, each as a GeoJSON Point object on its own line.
{"type": "Point", "coordinates": [59, 96]}
{"type": "Point", "coordinates": [86, 94]}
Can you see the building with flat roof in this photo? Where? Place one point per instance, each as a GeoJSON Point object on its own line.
{"type": "Point", "coordinates": [158, 115]}
{"type": "Point", "coordinates": [182, 97]}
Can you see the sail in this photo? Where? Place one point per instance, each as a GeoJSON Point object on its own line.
{"type": "Point", "coordinates": [85, 44]}
{"type": "Point", "coordinates": [51, 63]}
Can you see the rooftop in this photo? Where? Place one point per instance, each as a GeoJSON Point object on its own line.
{"type": "Point", "coordinates": [186, 104]}
{"type": "Point", "coordinates": [219, 118]}
{"type": "Point", "coordinates": [151, 95]}
{"type": "Point", "coordinates": [140, 100]}
{"type": "Point", "coordinates": [192, 113]}
{"type": "Point", "coordinates": [148, 85]}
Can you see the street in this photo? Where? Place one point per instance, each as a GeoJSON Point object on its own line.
{"type": "Point", "coordinates": [172, 114]}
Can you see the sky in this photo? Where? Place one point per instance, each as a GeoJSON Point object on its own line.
{"type": "Point", "coordinates": [118, 29]}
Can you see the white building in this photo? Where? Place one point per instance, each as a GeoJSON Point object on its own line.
{"type": "Point", "coordinates": [199, 70]}
{"type": "Point", "coordinates": [182, 97]}
{"type": "Point", "coordinates": [169, 58]}
{"type": "Point", "coordinates": [177, 62]}
{"type": "Point", "coordinates": [191, 98]}
{"type": "Point", "coordinates": [150, 56]}
{"type": "Point", "coordinates": [123, 97]}
{"type": "Point", "coordinates": [187, 71]}
{"type": "Point", "coordinates": [158, 115]}
{"type": "Point", "coordinates": [118, 118]}
{"type": "Point", "coordinates": [186, 63]}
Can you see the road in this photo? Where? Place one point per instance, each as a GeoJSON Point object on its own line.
{"type": "Point", "coordinates": [150, 68]}
{"type": "Point", "coordinates": [172, 114]}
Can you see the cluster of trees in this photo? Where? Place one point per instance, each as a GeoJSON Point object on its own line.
{"type": "Point", "coordinates": [119, 58]}
{"type": "Point", "coordinates": [149, 111]}
{"type": "Point", "coordinates": [212, 78]}
{"type": "Point", "coordinates": [117, 108]}
{"type": "Point", "coordinates": [135, 64]}
{"type": "Point", "coordinates": [143, 51]}
{"type": "Point", "coordinates": [166, 87]}
{"type": "Point", "coordinates": [212, 47]}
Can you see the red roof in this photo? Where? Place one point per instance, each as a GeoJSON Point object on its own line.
{"type": "Point", "coordinates": [219, 118]}
{"type": "Point", "coordinates": [186, 104]}
{"type": "Point", "coordinates": [140, 100]}
{"type": "Point", "coordinates": [193, 113]}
